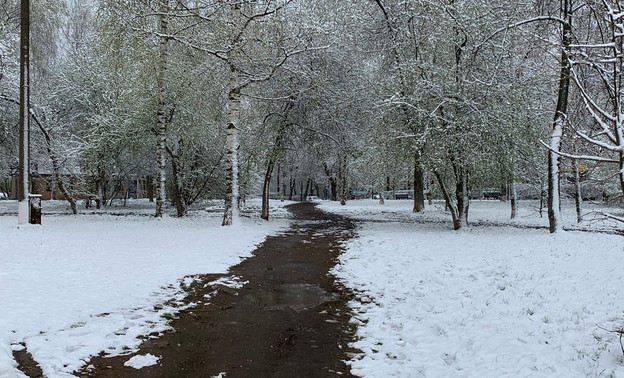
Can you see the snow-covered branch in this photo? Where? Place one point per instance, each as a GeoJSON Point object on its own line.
{"type": "Point", "coordinates": [579, 157]}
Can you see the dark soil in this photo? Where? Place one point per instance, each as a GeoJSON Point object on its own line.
{"type": "Point", "coordinates": [290, 320]}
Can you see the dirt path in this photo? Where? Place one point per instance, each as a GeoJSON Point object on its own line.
{"type": "Point", "coordinates": [290, 320]}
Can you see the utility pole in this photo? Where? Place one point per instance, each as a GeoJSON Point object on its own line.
{"type": "Point", "coordinates": [23, 216]}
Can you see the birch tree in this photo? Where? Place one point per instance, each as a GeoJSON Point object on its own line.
{"type": "Point", "coordinates": [595, 68]}
{"type": "Point", "coordinates": [554, 201]}
{"type": "Point", "coordinates": [162, 107]}
{"type": "Point", "coordinates": [246, 38]}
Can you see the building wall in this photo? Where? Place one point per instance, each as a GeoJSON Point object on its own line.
{"type": "Point", "coordinates": [43, 184]}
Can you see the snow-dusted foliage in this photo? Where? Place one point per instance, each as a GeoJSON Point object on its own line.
{"type": "Point", "coordinates": [597, 64]}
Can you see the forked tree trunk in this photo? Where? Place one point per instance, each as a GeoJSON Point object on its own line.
{"type": "Point", "coordinates": [450, 204]}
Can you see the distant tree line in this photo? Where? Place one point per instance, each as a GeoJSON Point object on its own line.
{"type": "Point", "coordinates": [221, 98]}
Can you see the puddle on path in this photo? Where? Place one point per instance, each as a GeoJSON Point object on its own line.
{"type": "Point", "coordinates": [298, 297]}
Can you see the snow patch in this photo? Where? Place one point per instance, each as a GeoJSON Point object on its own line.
{"type": "Point", "coordinates": [79, 285]}
{"type": "Point", "coordinates": [141, 361]}
{"type": "Point", "coordinates": [482, 302]}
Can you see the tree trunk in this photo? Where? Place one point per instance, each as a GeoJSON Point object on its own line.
{"type": "Point", "coordinates": [56, 166]}
{"type": "Point", "coordinates": [504, 191]}
{"type": "Point", "coordinates": [100, 193]}
{"type": "Point", "coordinates": [465, 202]}
{"type": "Point", "coordinates": [66, 193]}
{"type": "Point", "coordinates": [178, 198]}
{"type": "Point", "coordinates": [282, 187]}
{"type": "Point", "coordinates": [461, 190]}
{"type": "Point", "coordinates": [333, 184]}
{"type": "Point", "coordinates": [278, 183]}
{"type": "Point", "coordinates": [514, 199]}
{"type": "Point", "coordinates": [56, 169]}
{"type": "Point", "coordinates": [231, 184]}
{"type": "Point", "coordinates": [266, 186]}
{"type": "Point", "coordinates": [342, 177]}
{"type": "Point", "coordinates": [621, 172]}
{"type": "Point", "coordinates": [542, 197]}
{"type": "Point", "coordinates": [554, 202]}
{"type": "Point", "coordinates": [419, 197]}
{"type": "Point", "coordinates": [450, 204]}
{"type": "Point", "coordinates": [307, 189]}
{"type": "Point", "coordinates": [161, 115]}
{"type": "Point", "coordinates": [578, 198]}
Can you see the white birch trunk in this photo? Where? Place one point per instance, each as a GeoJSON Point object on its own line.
{"type": "Point", "coordinates": [161, 116]}
{"type": "Point", "coordinates": [231, 214]}
{"type": "Point", "coordinates": [554, 200]}
{"type": "Point", "coordinates": [561, 111]}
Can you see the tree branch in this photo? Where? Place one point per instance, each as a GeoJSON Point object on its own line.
{"type": "Point", "coordinates": [579, 157]}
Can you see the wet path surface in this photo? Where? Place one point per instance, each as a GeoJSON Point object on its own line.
{"type": "Point", "coordinates": [290, 319]}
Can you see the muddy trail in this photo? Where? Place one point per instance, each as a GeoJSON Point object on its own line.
{"type": "Point", "coordinates": [290, 319]}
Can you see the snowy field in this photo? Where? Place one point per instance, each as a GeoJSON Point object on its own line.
{"type": "Point", "coordinates": [81, 284]}
{"type": "Point", "coordinates": [486, 301]}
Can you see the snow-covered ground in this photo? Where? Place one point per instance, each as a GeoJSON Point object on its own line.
{"type": "Point", "coordinates": [485, 301]}
{"type": "Point", "coordinates": [81, 284]}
